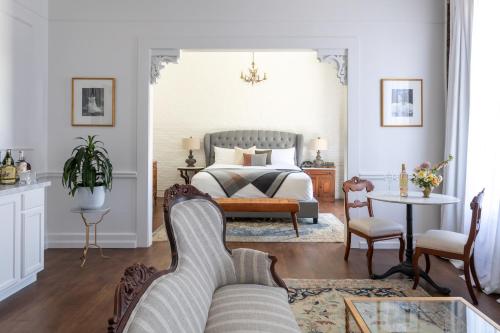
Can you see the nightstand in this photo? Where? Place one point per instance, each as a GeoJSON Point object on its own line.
{"type": "Point", "coordinates": [323, 180]}
{"type": "Point", "coordinates": [188, 172]}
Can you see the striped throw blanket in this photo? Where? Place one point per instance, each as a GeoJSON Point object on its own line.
{"type": "Point", "coordinates": [267, 181]}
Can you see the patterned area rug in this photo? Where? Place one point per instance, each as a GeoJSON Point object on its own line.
{"type": "Point", "coordinates": [318, 305]}
{"type": "Point", "coordinates": [329, 229]}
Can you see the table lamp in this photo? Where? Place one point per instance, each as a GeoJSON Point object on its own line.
{"type": "Point", "coordinates": [318, 145]}
{"type": "Point", "coordinates": [191, 144]}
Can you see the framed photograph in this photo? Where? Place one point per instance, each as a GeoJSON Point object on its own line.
{"type": "Point", "coordinates": [402, 103]}
{"type": "Point", "coordinates": [93, 102]}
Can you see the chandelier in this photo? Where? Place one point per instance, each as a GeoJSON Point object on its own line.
{"type": "Point", "coordinates": [253, 77]}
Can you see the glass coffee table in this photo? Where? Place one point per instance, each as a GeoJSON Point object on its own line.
{"type": "Point", "coordinates": [415, 314]}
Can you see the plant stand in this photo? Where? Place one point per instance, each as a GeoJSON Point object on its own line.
{"type": "Point", "coordinates": [100, 213]}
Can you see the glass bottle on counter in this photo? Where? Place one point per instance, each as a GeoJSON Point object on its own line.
{"type": "Point", "coordinates": [21, 164]}
{"type": "Point", "coordinates": [8, 170]}
{"type": "Point", "coordinates": [403, 182]}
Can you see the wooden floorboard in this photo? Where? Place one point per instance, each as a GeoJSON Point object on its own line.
{"type": "Point", "coordinates": [67, 298]}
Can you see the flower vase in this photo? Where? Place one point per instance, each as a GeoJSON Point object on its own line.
{"type": "Point", "coordinates": [427, 192]}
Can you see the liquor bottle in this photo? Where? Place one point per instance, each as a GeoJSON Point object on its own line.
{"type": "Point", "coordinates": [8, 170]}
{"type": "Point", "coordinates": [21, 164]}
{"type": "Point", "coordinates": [403, 182]}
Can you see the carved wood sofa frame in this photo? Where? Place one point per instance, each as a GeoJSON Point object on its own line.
{"type": "Point", "coordinates": [138, 277]}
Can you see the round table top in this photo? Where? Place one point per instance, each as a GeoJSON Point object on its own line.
{"type": "Point", "coordinates": [414, 198]}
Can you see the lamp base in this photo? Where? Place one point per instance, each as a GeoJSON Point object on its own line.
{"type": "Point", "coordinates": [318, 162]}
{"type": "Point", "coordinates": [190, 161]}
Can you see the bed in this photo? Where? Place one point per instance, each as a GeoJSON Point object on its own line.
{"type": "Point", "coordinates": [297, 185]}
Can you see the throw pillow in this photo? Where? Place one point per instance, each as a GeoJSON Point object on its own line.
{"type": "Point", "coordinates": [254, 160]}
{"type": "Point", "coordinates": [268, 153]}
{"type": "Point", "coordinates": [238, 154]}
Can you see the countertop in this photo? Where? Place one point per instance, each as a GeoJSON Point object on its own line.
{"type": "Point", "coordinates": [18, 188]}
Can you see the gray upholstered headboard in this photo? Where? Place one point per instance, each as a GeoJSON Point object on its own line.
{"type": "Point", "coordinates": [249, 138]}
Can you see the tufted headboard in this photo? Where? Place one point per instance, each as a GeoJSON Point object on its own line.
{"type": "Point", "coordinates": [248, 138]}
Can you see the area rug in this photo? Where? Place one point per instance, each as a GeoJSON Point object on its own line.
{"type": "Point", "coordinates": [318, 305]}
{"type": "Point", "coordinates": [329, 229]}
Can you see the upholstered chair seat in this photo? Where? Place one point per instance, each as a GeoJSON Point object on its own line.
{"type": "Point", "coordinates": [443, 240]}
{"type": "Point", "coordinates": [372, 229]}
{"type": "Point", "coordinates": [375, 227]}
{"type": "Point", "coordinates": [452, 245]}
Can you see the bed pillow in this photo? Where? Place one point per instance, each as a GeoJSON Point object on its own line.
{"type": "Point", "coordinates": [238, 154]}
{"type": "Point", "coordinates": [283, 156]}
{"type": "Point", "coordinates": [254, 160]}
{"type": "Point", "coordinates": [224, 155]}
{"type": "Point", "coordinates": [268, 153]}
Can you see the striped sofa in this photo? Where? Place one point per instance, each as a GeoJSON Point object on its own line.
{"type": "Point", "coordinates": [208, 288]}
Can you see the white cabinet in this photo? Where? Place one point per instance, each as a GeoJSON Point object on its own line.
{"type": "Point", "coordinates": [21, 236]}
{"type": "Point", "coordinates": [10, 245]}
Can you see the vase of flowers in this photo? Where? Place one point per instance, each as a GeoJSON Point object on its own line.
{"type": "Point", "coordinates": [427, 176]}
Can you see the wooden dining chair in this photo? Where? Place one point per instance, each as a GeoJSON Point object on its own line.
{"type": "Point", "coordinates": [452, 245]}
{"type": "Point", "coordinates": [370, 228]}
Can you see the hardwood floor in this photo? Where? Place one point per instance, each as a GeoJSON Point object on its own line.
{"type": "Point", "coordinates": [67, 298]}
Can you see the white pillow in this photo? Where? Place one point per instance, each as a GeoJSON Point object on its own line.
{"type": "Point", "coordinates": [238, 154]}
{"type": "Point", "coordinates": [283, 156]}
{"type": "Point", "coordinates": [224, 155]}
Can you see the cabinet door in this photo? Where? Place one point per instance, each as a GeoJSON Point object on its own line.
{"type": "Point", "coordinates": [315, 185]}
{"type": "Point", "coordinates": [10, 208]}
{"type": "Point", "coordinates": [32, 241]}
{"type": "Point", "coordinates": [325, 190]}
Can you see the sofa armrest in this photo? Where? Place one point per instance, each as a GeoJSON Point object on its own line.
{"type": "Point", "coordinates": [256, 267]}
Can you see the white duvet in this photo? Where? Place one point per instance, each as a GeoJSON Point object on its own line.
{"type": "Point", "coordinates": [296, 185]}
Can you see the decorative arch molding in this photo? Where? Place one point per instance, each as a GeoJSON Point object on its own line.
{"type": "Point", "coordinates": [159, 59]}
{"type": "Point", "coordinates": [337, 56]}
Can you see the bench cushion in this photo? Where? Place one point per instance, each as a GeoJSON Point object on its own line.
{"type": "Point", "coordinates": [250, 308]}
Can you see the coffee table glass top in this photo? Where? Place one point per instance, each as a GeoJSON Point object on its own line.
{"type": "Point", "coordinates": [418, 314]}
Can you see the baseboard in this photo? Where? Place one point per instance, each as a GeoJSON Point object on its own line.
{"type": "Point", "coordinates": [105, 240]}
{"type": "Point", "coordinates": [384, 245]}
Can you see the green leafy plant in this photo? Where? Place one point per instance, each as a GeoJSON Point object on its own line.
{"type": "Point", "coordinates": [88, 166]}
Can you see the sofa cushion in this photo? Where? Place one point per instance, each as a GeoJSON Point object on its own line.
{"type": "Point", "coordinates": [198, 230]}
{"type": "Point", "coordinates": [250, 308]}
{"type": "Point", "coordinates": [173, 303]}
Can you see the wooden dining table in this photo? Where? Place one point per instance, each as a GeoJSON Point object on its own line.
{"type": "Point", "coordinates": [413, 198]}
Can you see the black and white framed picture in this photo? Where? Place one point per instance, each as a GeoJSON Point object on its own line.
{"type": "Point", "coordinates": [93, 102]}
{"type": "Point", "coordinates": [401, 103]}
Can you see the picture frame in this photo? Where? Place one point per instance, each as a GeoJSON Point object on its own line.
{"type": "Point", "coordinates": [93, 101]}
{"type": "Point", "coordinates": [401, 102]}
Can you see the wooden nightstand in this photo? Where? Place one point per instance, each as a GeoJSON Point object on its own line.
{"type": "Point", "coordinates": [188, 172]}
{"type": "Point", "coordinates": [323, 180]}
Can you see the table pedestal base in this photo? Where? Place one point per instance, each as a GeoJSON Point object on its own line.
{"type": "Point", "coordinates": [406, 268]}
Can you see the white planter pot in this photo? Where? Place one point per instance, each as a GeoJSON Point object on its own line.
{"type": "Point", "coordinates": [88, 200]}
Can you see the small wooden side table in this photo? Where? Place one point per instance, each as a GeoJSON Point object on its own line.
{"type": "Point", "coordinates": [323, 180]}
{"type": "Point", "coordinates": [99, 213]}
{"type": "Point", "coordinates": [187, 173]}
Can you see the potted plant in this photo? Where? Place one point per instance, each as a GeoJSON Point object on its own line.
{"type": "Point", "coordinates": [88, 173]}
{"type": "Point", "coordinates": [427, 177]}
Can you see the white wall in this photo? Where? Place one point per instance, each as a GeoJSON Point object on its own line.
{"type": "Point", "coordinates": [204, 94]}
{"type": "Point", "coordinates": [395, 38]}
{"type": "Point", "coordinates": [23, 78]}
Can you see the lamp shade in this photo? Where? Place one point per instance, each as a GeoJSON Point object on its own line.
{"type": "Point", "coordinates": [319, 144]}
{"type": "Point", "coordinates": [191, 143]}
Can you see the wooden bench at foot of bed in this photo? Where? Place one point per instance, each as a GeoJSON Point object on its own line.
{"type": "Point", "coordinates": [274, 205]}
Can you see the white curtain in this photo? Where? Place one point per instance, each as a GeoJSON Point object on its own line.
{"type": "Point", "coordinates": [457, 110]}
{"type": "Point", "coordinates": [483, 166]}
